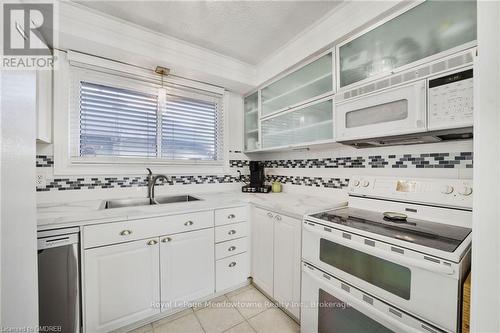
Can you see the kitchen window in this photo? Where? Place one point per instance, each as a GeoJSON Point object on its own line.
{"type": "Point", "coordinates": [167, 124]}
{"type": "Point", "coordinates": [123, 118]}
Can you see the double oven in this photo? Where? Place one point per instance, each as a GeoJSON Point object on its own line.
{"type": "Point", "coordinates": [361, 277]}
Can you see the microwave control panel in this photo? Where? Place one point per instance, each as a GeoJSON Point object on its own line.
{"type": "Point", "coordinates": [451, 100]}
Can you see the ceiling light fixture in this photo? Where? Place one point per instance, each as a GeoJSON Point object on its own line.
{"type": "Point", "coordinates": [163, 71]}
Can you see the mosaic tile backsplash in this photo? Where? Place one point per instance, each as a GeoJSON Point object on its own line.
{"type": "Point", "coordinates": [424, 160]}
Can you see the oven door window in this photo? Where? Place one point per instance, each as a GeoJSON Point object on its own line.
{"type": "Point", "coordinates": [336, 316]}
{"type": "Point", "coordinates": [384, 274]}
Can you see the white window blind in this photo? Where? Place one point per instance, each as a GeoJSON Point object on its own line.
{"type": "Point", "coordinates": [189, 129]}
{"type": "Point", "coordinates": [143, 122]}
{"type": "Point", "coordinates": [117, 122]}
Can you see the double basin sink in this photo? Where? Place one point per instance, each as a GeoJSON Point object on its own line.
{"type": "Point", "coordinates": [161, 200]}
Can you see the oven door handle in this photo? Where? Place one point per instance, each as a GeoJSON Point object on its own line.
{"type": "Point", "coordinates": [358, 305]}
{"type": "Point", "coordinates": [397, 258]}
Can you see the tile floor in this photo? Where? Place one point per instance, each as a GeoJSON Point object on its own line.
{"type": "Point", "coordinates": [240, 311]}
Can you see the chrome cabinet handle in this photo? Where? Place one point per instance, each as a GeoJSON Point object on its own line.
{"type": "Point", "coordinates": [231, 216]}
{"type": "Point", "coordinates": [152, 242]}
{"type": "Point", "coordinates": [166, 239]}
{"type": "Point", "coordinates": [231, 232]}
{"type": "Point", "coordinates": [232, 264]}
{"type": "Point", "coordinates": [232, 248]}
{"type": "Point", "coordinates": [278, 218]}
{"type": "Point", "coordinates": [270, 215]}
{"type": "Point", "coordinates": [188, 223]}
{"type": "Point", "coordinates": [125, 232]}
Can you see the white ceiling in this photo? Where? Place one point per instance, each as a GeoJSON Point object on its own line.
{"type": "Point", "coordinates": [246, 30]}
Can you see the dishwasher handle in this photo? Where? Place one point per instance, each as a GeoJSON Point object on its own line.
{"type": "Point", "coordinates": [56, 241]}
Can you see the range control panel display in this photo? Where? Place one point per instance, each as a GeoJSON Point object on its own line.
{"type": "Point", "coordinates": [451, 100]}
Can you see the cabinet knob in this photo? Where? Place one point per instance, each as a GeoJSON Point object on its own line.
{"type": "Point", "coordinates": [232, 264]}
{"type": "Point", "coordinates": [152, 242]}
{"type": "Point", "coordinates": [278, 218]}
{"type": "Point", "coordinates": [166, 239]}
{"type": "Point", "coordinates": [188, 223]}
{"type": "Point", "coordinates": [270, 215]}
{"type": "Point", "coordinates": [232, 248]}
{"type": "Point", "coordinates": [231, 232]}
{"type": "Point", "coordinates": [231, 216]}
{"type": "Point", "coordinates": [125, 232]}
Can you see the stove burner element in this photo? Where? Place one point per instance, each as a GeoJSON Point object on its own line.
{"type": "Point", "coordinates": [394, 216]}
{"type": "Point", "coordinates": [435, 235]}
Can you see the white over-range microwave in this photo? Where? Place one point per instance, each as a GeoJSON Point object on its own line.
{"type": "Point", "coordinates": [429, 108]}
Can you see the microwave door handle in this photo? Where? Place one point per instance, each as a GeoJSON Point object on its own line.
{"type": "Point", "coordinates": [420, 120]}
{"type": "Point", "coordinates": [398, 258]}
{"type": "Point", "coordinates": [358, 305]}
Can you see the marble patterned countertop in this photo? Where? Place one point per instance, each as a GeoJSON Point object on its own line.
{"type": "Point", "coordinates": [52, 216]}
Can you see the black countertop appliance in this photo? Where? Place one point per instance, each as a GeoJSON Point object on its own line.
{"type": "Point", "coordinates": [257, 179]}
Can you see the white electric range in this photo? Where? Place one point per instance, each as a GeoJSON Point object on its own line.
{"type": "Point", "coordinates": [393, 260]}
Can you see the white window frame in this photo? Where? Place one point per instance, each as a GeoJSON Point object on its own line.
{"type": "Point", "coordinates": [66, 101]}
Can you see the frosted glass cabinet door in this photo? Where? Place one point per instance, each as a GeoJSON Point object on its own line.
{"type": "Point", "coordinates": [312, 80]}
{"type": "Point", "coordinates": [251, 114]}
{"type": "Point", "coordinates": [425, 30]}
{"type": "Point", "coordinates": [311, 123]}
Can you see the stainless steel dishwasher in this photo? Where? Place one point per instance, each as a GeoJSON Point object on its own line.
{"type": "Point", "coordinates": [59, 279]}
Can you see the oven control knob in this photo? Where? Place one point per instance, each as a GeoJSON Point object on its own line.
{"type": "Point", "coordinates": [447, 189]}
{"type": "Point", "coordinates": [365, 183]}
{"type": "Point", "coordinates": [465, 190]}
{"type": "Point", "coordinates": [355, 183]}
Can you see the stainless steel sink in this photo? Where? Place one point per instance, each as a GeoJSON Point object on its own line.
{"type": "Point", "coordinates": [175, 198]}
{"type": "Point", "coordinates": [161, 200]}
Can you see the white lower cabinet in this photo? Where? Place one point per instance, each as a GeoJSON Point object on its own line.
{"type": "Point", "coordinates": [231, 271]}
{"type": "Point", "coordinates": [232, 267]}
{"type": "Point", "coordinates": [276, 246]}
{"type": "Point", "coordinates": [121, 284]}
{"type": "Point", "coordinates": [262, 249]}
{"type": "Point", "coordinates": [287, 269]}
{"type": "Point", "coordinates": [133, 270]}
{"type": "Point", "coordinates": [187, 267]}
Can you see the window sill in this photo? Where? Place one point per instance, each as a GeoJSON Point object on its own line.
{"type": "Point", "coordinates": [137, 167]}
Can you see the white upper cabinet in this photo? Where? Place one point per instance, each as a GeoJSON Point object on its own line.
{"type": "Point", "coordinates": [251, 122]}
{"type": "Point", "coordinates": [426, 30]}
{"type": "Point", "coordinates": [310, 123]}
{"type": "Point", "coordinates": [294, 110]}
{"type": "Point", "coordinates": [301, 86]}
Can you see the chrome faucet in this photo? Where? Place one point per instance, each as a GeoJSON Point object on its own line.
{"type": "Point", "coordinates": [152, 179]}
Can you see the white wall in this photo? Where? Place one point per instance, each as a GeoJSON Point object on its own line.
{"type": "Point", "coordinates": [19, 301]}
{"type": "Point", "coordinates": [486, 219]}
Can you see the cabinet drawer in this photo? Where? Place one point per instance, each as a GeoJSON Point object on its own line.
{"type": "Point", "coordinates": [230, 248]}
{"type": "Point", "coordinates": [111, 233]}
{"type": "Point", "coordinates": [231, 231]}
{"type": "Point", "coordinates": [230, 215]}
{"type": "Point", "coordinates": [231, 271]}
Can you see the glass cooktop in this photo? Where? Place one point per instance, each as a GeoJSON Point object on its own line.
{"type": "Point", "coordinates": [434, 235]}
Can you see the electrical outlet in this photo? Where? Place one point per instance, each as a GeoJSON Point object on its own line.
{"type": "Point", "coordinates": [40, 180]}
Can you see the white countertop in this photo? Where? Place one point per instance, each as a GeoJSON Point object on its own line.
{"type": "Point", "coordinates": [51, 216]}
